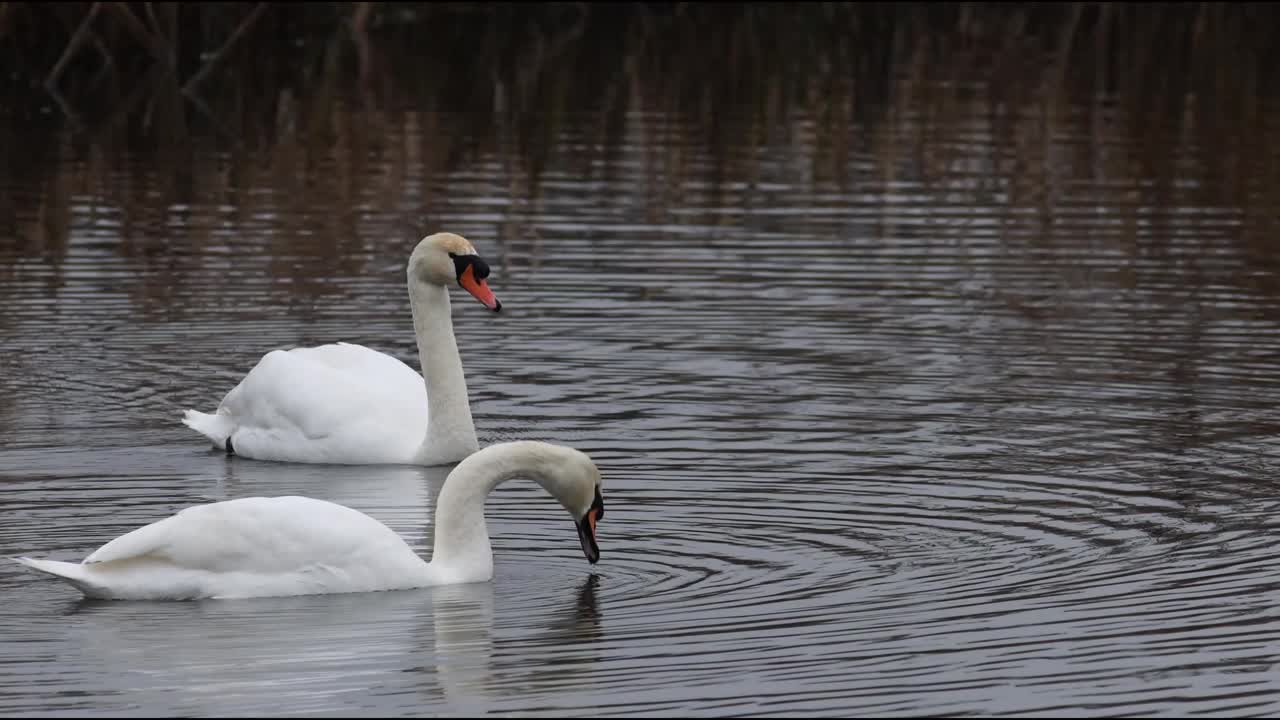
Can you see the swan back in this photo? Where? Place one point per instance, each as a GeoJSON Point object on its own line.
{"type": "Point", "coordinates": [256, 546]}
{"type": "Point", "coordinates": [254, 534]}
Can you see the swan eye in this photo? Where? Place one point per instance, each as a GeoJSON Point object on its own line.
{"type": "Point", "coordinates": [472, 272]}
{"type": "Point", "coordinates": [461, 263]}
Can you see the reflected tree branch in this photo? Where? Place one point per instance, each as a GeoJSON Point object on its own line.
{"type": "Point", "coordinates": [217, 57]}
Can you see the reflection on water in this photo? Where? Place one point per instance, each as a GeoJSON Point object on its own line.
{"type": "Point", "coordinates": [435, 643]}
{"type": "Point", "coordinates": [433, 646]}
{"type": "Point", "coordinates": [947, 393]}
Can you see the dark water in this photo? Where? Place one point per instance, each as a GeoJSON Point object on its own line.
{"type": "Point", "coordinates": [982, 422]}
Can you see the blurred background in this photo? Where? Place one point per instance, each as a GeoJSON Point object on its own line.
{"type": "Point", "coordinates": [347, 100]}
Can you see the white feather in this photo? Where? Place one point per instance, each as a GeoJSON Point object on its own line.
{"type": "Point", "coordinates": [259, 546]}
{"type": "Point", "coordinates": [349, 404]}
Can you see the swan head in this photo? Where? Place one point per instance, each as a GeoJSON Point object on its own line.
{"type": "Point", "coordinates": [448, 259]}
{"type": "Point", "coordinates": [587, 527]}
{"type": "Point", "coordinates": [573, 479]}
{"type": "Point", "coordinates": [568, 475]}
{"type": "Point", "coordinates": [586, 504]}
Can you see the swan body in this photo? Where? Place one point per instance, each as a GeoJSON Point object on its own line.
{"type": "Point", "coordinates": [277, 546]}
{"type": "Point", "coordinates": [348, 404]}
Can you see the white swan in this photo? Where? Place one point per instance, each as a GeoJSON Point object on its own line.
{"type": "Point", "coordinates": [348, 404]}
{"type": "Point", "coordinates": [261, 547]}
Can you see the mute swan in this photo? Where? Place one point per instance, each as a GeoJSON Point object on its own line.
{"type": "Point", "coordinates": [261, 547]}
{"type": "Point", "coordinates": [348, 404]}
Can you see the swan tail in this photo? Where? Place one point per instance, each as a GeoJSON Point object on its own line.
{"type": "Point", "coordinates": [75, 573]}
{"type": "Point", "coordinates": [217, 427]}
{"type": "Point", "coordinates": [138, 578]}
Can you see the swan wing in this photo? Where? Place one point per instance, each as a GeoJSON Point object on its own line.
{"type": "Point", "coordinates": [333, 403]}
{"type": "Point", "coordinates": [260, 535]}
{"type": "Point", "coordinates": [361, 361]}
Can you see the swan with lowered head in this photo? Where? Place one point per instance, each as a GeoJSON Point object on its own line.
{"type": "Point", "coordinates": [348, 404]}
{"type": "Point", "coordinates": [262, 547]}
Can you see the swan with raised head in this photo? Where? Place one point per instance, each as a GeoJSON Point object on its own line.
{"type": "Point", "coordinates": [348, 404]}
{"type": "Point", "coordinates": [262, 547]}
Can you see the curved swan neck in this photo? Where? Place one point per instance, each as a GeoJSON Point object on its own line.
{"type": "Point", "coordinates": [461, 536]}
{"type": "Point", "coordinates": [450, 430]}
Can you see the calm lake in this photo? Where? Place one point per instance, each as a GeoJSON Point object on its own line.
{"type": "Point", "coordinates": [980, 418]}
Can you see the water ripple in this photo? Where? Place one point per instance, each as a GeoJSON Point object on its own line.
{"type": "Point", "coordinates": [906, 447]}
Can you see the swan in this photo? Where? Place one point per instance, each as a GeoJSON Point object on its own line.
{"type": "Point", "coordinates": [282, 546]}
{"type": "Point", "coordinates": [347, 404]}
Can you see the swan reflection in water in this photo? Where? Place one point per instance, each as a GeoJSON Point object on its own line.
{"type": "Point", "coordinates": [312, 652]}
{"type": "Point", "coordinates": [463, 625]}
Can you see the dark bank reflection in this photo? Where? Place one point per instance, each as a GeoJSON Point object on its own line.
{"type": "Point", "coordinates": [873, 93]}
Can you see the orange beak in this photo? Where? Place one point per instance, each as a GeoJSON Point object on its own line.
{"type": "Point", "coordinates": [479, 289]}
{"type": "Point", "coordinates": [587, 529]}
{"type": "Point", "coordinates": [593, 516]}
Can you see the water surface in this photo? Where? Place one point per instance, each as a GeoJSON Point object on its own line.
{"type": "Point", "coordinates": [981, 424]}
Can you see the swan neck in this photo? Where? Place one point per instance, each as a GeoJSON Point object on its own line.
{"type": "Point", "coordinates": [450, 431]}
{"type": "Point", "coordinates": [461, 536]}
